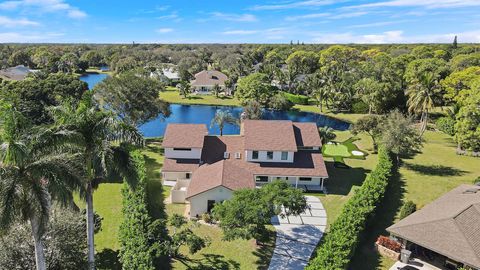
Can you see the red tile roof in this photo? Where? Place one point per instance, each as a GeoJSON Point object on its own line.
{"type": "Point", "coordinates": [185, 135]}
{"type": "Point", "coordinates": [269, 135]}
{"type": "Point", "coordinates": [306, 134]}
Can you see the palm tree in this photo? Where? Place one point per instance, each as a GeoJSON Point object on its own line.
{"type": "Point", "coordinates": [101, 138]}
{"type": "Point", "coordinates": [316, 86]}
{"type": "Point", "coordinates": [221, 118]}
{"type": "Point", "coordinates": [422, 95]}
{"type": "Point", "coordinates": [326, 134]}
{"type": "Point", "coordinates": [216, 90]}
{"type": "Point", "coordinates": [34, 171]}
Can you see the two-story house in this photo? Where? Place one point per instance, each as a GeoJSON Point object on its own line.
{"type": "Point", "coordinates": [205, 169]}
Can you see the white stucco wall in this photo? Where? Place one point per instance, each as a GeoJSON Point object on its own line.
{"type": "Point", "coordinates": [173, 176]}
{"type": "Point", "coordinates": [262, 156]}
{"type": "Point", "coordinates": [198, 203]}
{"type": "Point", "coordinates": [194, 153]}
{"type": "Point", "coordinates": [291, 180]}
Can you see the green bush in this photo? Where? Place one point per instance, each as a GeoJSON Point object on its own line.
{"type": "Point", "coordinates": [207, 218]}
{"type": "Point", "coordinates": [279, 102]}
{"type": "Point", "coordinates": [296, 99]}
{"type": "Point", "coordinates": [446, 125]}
{"type": "Point", "coordinates": [338, 246]}
{"type": "Point", "coordinates": [140, 235]}
{"type": "Point", "coordinates": [359, 107]}
{"type": "Point", "coordinates": [407, 209]}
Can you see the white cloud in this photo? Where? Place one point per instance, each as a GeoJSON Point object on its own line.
{"type": "Point", "coordinates": [240, 32]}
{"type": "Point", "coordinates": [307, 16]}
{"type": "Point", "coordinates": [13, 37]}
{"type": "Point", "coordinates": [422, 3]}
{"type": "Point", "coordinates": [9, 22]}
{"type": "Point", "coordinates": [296, 4]}
{"type": "Point", "coordinates": [171, 16]}
{"type": "Point", "coordinates": [234, 17]}
{"type": "Point", "coordinates": [375, 24]}
{"type": "Point", "coordinates": [349, 15]}
{"type": "Point", "coordinates": [164, 30]}
{"type": "Point", "coordinates": [394, 37]}
{"type": "Point", "coordinates": [46, 6]}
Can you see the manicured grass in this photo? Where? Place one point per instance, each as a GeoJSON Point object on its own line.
{"type": "Point", "coordinates": [422, 179]}
{"type": "Point", "coordinates": [172, 95]}
{"type": "Point", "coordinates": [348, 117]}
{"type": "Point", "coordinates": [336, 150]}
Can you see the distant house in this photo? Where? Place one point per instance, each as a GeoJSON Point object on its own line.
{"type": "Point", "coordinates": [206, 79]}
{"type": "Point", "coordinates": [17, 73]}
{"type": "Point", "coordinates": [206, 169]}
{"type": "Point", "coordinates": [445, 232]}
{"type": "Point", "coordinates": [167, 74]}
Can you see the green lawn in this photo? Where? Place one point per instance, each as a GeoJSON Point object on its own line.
{"type": "Point", "coordinates": [172, 95]}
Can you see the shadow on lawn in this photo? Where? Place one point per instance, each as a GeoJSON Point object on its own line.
{"type": "Point", "coordinates": [264, 251]}
{"type": "Point", "coordinates": [436, 170]}
{"type": "Point", "coordinates": [341, 181]}
{"type": "Point", "coordinates": [209, 261]}
{"type": "Point", "coordinates": [366, 257]}
{"type": "Point", "coordinates": [108, 259]}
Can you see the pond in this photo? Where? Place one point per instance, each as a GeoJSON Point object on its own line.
{"type": "Point", "coordinates": [92, 78]}
{"type": "Point", "coordinates": [203, 114]}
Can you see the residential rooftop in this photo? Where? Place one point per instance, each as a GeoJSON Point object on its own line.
{"type": "Point", "coordinates": [184, 136]}
{"type": "Point", "coordinates": [449, 225]}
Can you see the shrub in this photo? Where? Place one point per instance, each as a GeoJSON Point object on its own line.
{"type": "Point", "coordinates": [279, 102]}
{"type": "Point", "coordinates": [140, 235]}
{"type": "Point", "coordinates": [207, 218]}
{"type": "Point", "coordinates": [389, 243]}
{"type": "Point", "coordinates": [340, 243]}
{"type": "Point", "coordinates": [446, 125]}
{"type": "Point", "coordinates": [360, 107]}
{"type": "Point", "coordinates": [296, 99]}
{"type": "Point", "coordinates": [407, 209]}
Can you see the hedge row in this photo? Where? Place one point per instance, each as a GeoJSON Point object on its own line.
{"type": "Point", "coordinates": [296, 99]}
{"type": "Point", "coordinates": [135, 234]}
{"type": "Point", "coordinates": [339, 245]}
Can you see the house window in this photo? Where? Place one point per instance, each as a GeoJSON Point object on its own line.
{"type": "Point", "coordinates": [284, 155]}
{"type": "Point", "coordinates": [305, 179]}
{"type": "Point", "coordinates": [182, 149]}
{"type": "Point", "coordinates": [262, 179]}
{"type": "Point", "coordinates": [269, 155]}
{"type": "Point", "coordinates": [187, 176]}
{"type": "Point", "coordinates": [254, 154]}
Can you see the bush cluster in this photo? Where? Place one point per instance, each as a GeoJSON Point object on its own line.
{"type": "Point", "coordinates": [407, 209]}
{"type": "Point", "coordinates": [140, 235]}
{"type": "Point", "coordinates": [359, 107]}
{"type": "Point", "coordinates": [446, 125]}
{"type": "Point", "coordinates": [296, 99]}
{"type": "Point", "coordinates": [338, 246]}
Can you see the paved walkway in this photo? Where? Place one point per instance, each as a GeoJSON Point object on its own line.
{"type": "Point", "coordinates": [297, 236]}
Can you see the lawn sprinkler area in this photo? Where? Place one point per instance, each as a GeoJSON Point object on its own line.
{"type": "Point", "coordinates": [341, 150]}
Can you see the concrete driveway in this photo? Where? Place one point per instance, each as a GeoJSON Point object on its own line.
{"type": "Point", "coordinates": [297, 236]}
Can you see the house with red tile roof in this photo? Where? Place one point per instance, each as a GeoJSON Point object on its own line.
{"type": "Point", "coordinates": [205, 169]}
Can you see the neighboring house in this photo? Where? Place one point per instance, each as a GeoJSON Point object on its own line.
{"type": "Point", "coordinates": [17, 73]}
{"type": "Point", "coordinates": [445, 232]}
{"type": "Point", "coordinates": [205, 169]}
{"type": "Point", "coordinates": [167, 74]}
{"type": "Point", "coordinates": [206, 79]}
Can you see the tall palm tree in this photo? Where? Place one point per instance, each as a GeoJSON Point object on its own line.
{"type": "Point", "coordinates": [422, 95]}
{"type": "Point", "coordinates": [34, 170]}
{"type": "Point", "coordinates": [221, 118]}
{"type": "Point", "coordinates": [101, 137]}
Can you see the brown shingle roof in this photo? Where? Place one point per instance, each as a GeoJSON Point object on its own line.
{"type": "Point", "coordinates": [269, 135]}
{"type": "Point", "coordinates": [306, 134]}
{"type": "Point", "coordinates": [222, 173]}
{"type": "Point", "coordinates": [449, 225]}
{"type": "Point", "coordinates": [209, 78]}
{"type": "Point", "coordinates": [185, 135]}
{"type": "Point", "coordinates": [180, 165]}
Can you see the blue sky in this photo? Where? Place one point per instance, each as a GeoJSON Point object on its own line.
{"type": "Point", "coordinates": [243, 21]}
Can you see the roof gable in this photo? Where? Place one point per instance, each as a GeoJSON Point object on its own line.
{"type": "Point", "coordinates": [185, 135]}
{"type": "Point", "coordinates": [272, 135]}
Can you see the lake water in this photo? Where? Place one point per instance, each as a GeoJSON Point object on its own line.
{"type": "Point", "coordinates": [203, 114]}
